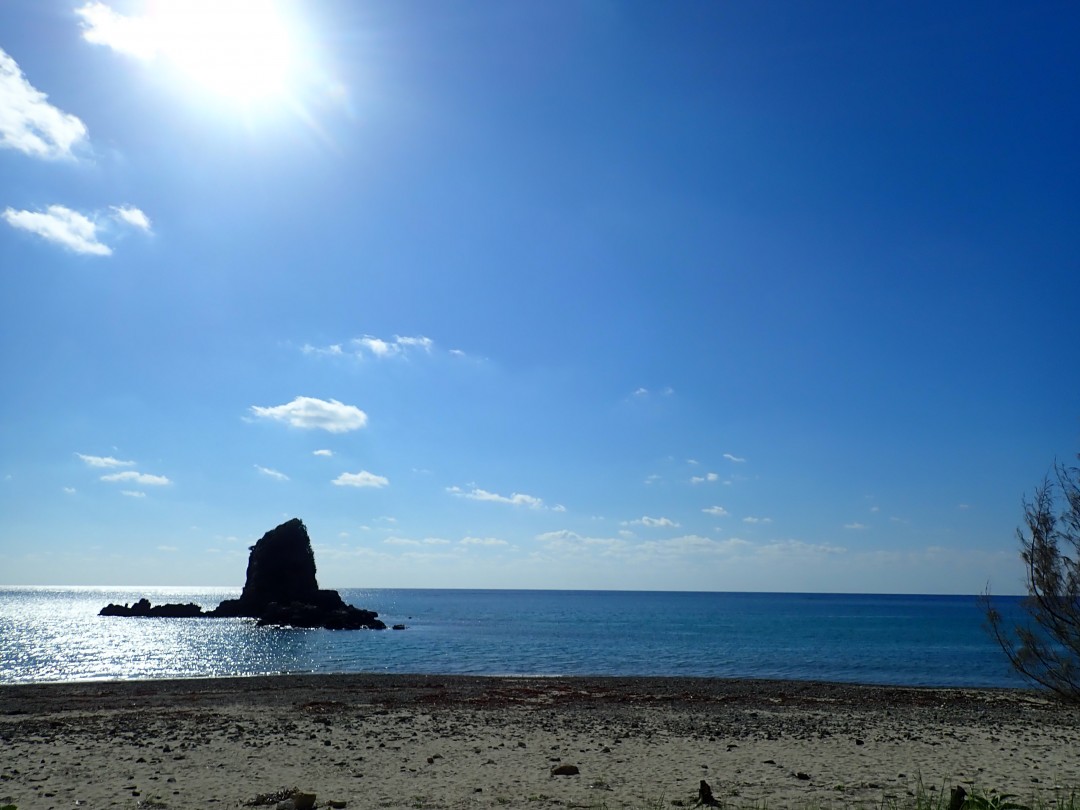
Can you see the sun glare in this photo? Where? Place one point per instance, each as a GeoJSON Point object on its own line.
{"type": "Point", "coordinates": [243, 50]}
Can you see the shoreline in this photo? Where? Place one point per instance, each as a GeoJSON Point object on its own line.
{"type": "Point", "coordinates": [479, 741]}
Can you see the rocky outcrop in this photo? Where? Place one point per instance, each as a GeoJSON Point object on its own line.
{"type": "Point", "coordinates": [280, 589]}
{"type": "Point", "coordinates": [280, 570]}
{"type": "Point", "coordinates": [144, 608]}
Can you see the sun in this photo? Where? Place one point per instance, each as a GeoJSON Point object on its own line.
{"type": "Point", "coordinates": [244, 50]}
{"type": "Point", "coordinates": [237, 50]}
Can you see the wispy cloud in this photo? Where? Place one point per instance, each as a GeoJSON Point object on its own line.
{"type": "Point", "coordinates": [69, 490]}
{"type": "Point", "coordinates": [28, 122]}
{"type": "Point", "coordinates": [641, 393]}
{"type": "Point", "coordinates": [856, 526]}
{"type": "Point", "coordinates": [370, 346]}
{"type": "Point", "coordinates": [483, 541]}
{"type": "Point", "coordinates": [361, 479]}
{"type": "Point", "coordinates": [427, 541]}
{"type": "Point", "coordinates": [133, 493]}
{"type": "Point", "coordinates": [651, 522]}
{"type": "Point", "coordinates": [61, 225]}
{"type": "Point", "coordinates": [691, 544]}
{"type": "Point", "coordinates": [73, 230]}
{"type": "Point", "coordinates": [515, 499]}
{"type": "Point", "coordinates": [322, 453]}
{"type": "Point", "coordinates": [756, 520]}
{"type": "Point", "coordinates": [716, 511]}
{"type": "Point", "coordinates": [130, 215]}
{"type": "Point", "coordinates": [310, 413]}
{"type": "Point", "coordinates": [133, 477]}
{"type": "Point", "coordinates": [104, 461]}
{"type": "Point", "coordinates": [707, 478]}
{"type": "Point", "coordinates": [271, 473]}
{"type": "Point", "coordinates": [734, 459]}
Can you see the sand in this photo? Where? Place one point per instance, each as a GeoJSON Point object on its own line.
{"type": "Point", "coordinates": [434, 741]}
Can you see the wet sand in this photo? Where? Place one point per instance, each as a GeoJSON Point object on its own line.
{"type": "Point", "coordinates": [375, 741]}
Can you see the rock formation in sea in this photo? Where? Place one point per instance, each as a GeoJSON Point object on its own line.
{"type": "Point", "coordinates": [280, 589]}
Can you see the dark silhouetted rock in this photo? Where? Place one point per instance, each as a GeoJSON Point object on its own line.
{"type": "Point", "coordinates": [280, 589]}
{"type": "Point", "coordinates": [281, 569]}
{"type": "Point", "coordinates": [144, 608]}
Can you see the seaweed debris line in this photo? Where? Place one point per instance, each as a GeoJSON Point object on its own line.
{"type": "Point", "coordinates": [280, 589]}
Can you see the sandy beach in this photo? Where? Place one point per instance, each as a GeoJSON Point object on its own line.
{"type": "Point", "coordinates": [431, 741]}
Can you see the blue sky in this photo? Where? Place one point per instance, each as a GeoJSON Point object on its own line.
{"type": "Point", "coordinates": [710, 296]}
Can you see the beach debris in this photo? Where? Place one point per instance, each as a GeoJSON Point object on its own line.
{"type": "Point", "coordinates": [272, 798]}
{"type": "Point", "coordinates": [705, 796]}
{"type": "Point", "coordinates": [565, 770]}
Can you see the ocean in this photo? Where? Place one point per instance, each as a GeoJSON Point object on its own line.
{"type": "Point", "coordinates": [55, 634]}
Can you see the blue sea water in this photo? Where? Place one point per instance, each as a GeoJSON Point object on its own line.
{"type": "Point", "coordinates": [55, 634]}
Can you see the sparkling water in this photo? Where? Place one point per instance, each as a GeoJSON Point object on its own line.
{"type": "Point", "coordinates": [55, 634]}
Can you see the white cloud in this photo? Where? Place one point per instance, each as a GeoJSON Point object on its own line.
{"type": "Point", "coordinates": [691, 544]}
{"type": "Point", "coordinates": [311, 414]}
{"type": "Point", "coordinates": [756, 520]}
{"type": "Point", "coordinates": [797, 548]}
{"type": "Point", "coordinates": [397, 347]}
{"type": "Point", "coordinates": [645, 392]}
{"type": "Point", "coordinates": [270, 473]}
{"type": "Point", "coordinates": [427, 541]}
{"type": "Point", "coordinates": [400, 541]}
{"type": "Point", "coordinates": [128, 35]}
{"type": "Point", "coordinates": [856, 526]}
{"type": "Point", "coordinates": [28, 122]}
{"type": "Point", "coordinates": [323, 453]}
{"type": "Point", "coordinates": [129, 215]}
{"type": "Point", "coordinates": [104, 461]}
{"type": "Point", "coordinates": [651, 522]}
{"type": "Point", "coordinates": [361, 479]}
{"type": "Point", "coordinates": [143, 479]}
{"type": "Point", "coordinates": [69, 490]}
{"type": "Point", "coordinates": [734, 459]}
{"type": "Point", "coordinates": [422, 342]}
{"type": "Point", "coordinates": [61, 225]}
{"type": "Point", "coordinates": [483, 541]}
{"type": "Point", "coordinates": [717, 511]}
{"type": "Point", "coordinates": [133, 493]}
{"type": "Point", "coordinates": [515, 499]}
{"type": "Point", "coordinates": [334, 350]}
{"type": "Point", "coordinates": [708, 477]}
{"type": "Point", "coordinates": [652, 479]}
{"type": "Point", "coordinates": [167, 549]}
